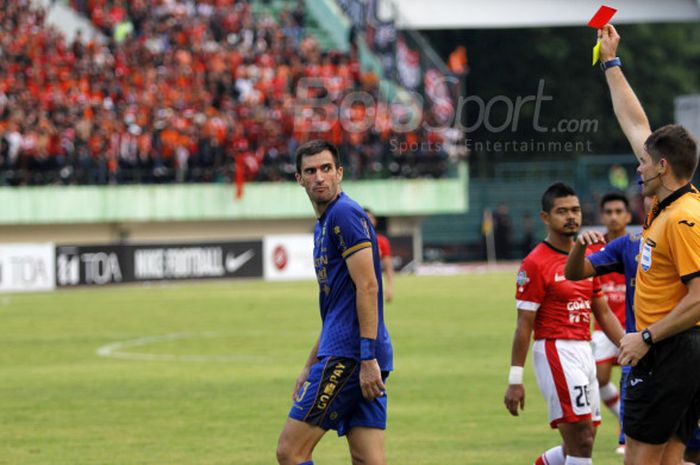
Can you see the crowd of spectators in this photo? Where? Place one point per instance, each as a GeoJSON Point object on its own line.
{"type": "Point", "coordinates": [186, 91]}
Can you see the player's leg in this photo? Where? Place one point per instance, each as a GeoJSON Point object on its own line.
{"type": "Point", "coordinates": [624, 373]}
{"type": "Point", "coordinates": [297, 442]}
{"type": "Point", "coordinates": [673, 452]}
{"type": "Point", "coordinates": [328, 395]}
{"type": "Point", "coordinates": [366, 446]}
{"type": "Point", "coordinates": [605, 353]}
{"type": "Point", "coordinates": [692, 451]}
{"type": "Point", "coordinates": [364, 428]}
{"type": "Point", "coordinates": [578, 441]}
{"type": "Point", "coordinates": [565, 374]}
{"type": "Point", "coordinates": [642, 453]}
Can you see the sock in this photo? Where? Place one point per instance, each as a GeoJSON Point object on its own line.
{"type": "Point", "coordinates": [571, 460]}
{"type": "Point", "coordinates": [611, 398]}
{"type": "Point", "coordinates": [554, 456]}
{"type": "Point", "coordinates": [307, 463]}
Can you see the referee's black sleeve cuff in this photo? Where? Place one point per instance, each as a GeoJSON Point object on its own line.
{"type": "Point", "coordinates": [687, 278]}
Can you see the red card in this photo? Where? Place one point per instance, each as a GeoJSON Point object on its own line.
{"type": "Point", "coordinates": [602, 17]}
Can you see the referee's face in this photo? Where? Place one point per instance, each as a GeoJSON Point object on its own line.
{"type": "Point", "coordinates": [565, 216]}
{"type": "Point", "coordinates": [320, 177]}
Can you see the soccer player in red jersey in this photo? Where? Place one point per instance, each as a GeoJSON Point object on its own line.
{"type": "Point", "coordinates": [386, 259]}
{"type": "Point", "coordinates": [559, 311]}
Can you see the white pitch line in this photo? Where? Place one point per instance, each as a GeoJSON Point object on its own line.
{"type": "Point", "coordinates": [116, 350]}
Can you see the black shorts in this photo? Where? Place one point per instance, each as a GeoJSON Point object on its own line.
{"type": "Point", "coordinates": [662, 395]}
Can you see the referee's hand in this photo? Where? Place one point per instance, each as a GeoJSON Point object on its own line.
{"type": "Point", "coordinates": [371, 379]}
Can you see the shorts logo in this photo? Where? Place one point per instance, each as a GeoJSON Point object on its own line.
{"type": "Point", "coordinates": [687, 223]}
{"type": "Point", "coordinates": [330, 387]}
{"type": "Point", "coordinates": [302, 391]}
{"type": "Point", "coordinates": [635, 381]}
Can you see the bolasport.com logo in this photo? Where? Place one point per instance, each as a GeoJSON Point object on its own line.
{"type": "Point", "coordinates": [319, 109]}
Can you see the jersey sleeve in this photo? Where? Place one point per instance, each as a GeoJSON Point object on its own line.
{"type": "Point", "coordinates": [609, 258]}
{"type": "Point", "coordinates": [597, 288]}
{"type": "Point", "coordinates": [530, 287]}
{"type": "Point", "coordinates": [684, 239]}
{"type": "Point", "coordinates": [351, 232]}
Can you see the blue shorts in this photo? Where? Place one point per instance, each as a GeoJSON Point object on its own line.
{"type": "Point", "coordinates": [331, 398]}
{"type": "Point", "coordinates": [694, 443]}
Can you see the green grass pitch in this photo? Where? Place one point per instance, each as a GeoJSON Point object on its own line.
{"type": "Point", "coordinates": [209, 368]}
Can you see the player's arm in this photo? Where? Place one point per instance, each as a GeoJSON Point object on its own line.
{"type": "Point", "coordinates": [515, 394]}
{"type": "Point", "coordinates": [607, 320]}
{"type": "Point", "coordinates": [361, 267]}
{"type": "Point", "coordinates": [388, 267]}
{"type": "Point", "coordinates": [578, 267]}
{"type": "Point", "coordinates": [304, 375]}
{"type": "Point", "coordinates": [628, 110]}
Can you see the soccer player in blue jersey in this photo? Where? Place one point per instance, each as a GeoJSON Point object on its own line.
{"type": "Point", "coordinates": [618, 256]}
{"type": "Point", "coordinates": [341, 386]}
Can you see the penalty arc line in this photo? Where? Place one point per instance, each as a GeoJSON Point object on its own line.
{"type": "Point", "coordinates": [117, 350]}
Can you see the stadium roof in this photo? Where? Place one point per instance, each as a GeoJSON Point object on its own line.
{"type": "Point", "coordinates": [480, 14]}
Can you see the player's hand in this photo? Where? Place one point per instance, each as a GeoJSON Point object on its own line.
{"type": "Point", "coordinates": [632, 349]}
{"type": "Point", "coordinates": [300, 381]}
{"type": "Point", "coordinates": [590, 237]}
{"type": "Point", "coordinates": [388, 294]}
{"type": "Point", "coordinates": [515, 396]}
{"type": "Point", "coordinates": [609, 40]}
{"type": "Point", "coordinates": [371, 379]}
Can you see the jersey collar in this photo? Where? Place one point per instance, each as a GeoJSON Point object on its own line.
{"type": "Point", "coordinates": [331, 205]}
{"type": "Point", "coordinates": [555, 249]}
{"type": "Point", "coordinates": [660, 206]}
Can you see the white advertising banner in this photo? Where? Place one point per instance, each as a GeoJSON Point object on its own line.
{"type": "Point", "coordinates": [288, 257]}
{"type": "Point", "coordinates": [27, 267]}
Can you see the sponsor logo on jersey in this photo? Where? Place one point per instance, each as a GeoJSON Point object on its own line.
{"type": "Point", "coordinates": [522, 278]}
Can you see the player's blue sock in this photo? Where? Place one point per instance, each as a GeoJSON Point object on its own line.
{"type": "Point", "coordinates": [307, 463]}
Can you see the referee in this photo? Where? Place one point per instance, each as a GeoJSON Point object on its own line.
{"type": "Point", "coordinates": [662, 402]}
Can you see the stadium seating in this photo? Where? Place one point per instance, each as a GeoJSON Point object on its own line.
{"type": "Point", "coordinates": [182, 92]}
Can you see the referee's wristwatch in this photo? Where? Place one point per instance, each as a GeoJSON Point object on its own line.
{"type": "Point", "coordinates": [606, 65]}
{"type": "Point", "coordinates": [646, 337]}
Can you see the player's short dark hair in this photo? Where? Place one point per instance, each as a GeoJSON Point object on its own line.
{"type": "Point", "coordinates": [674, 143]}
{"type": "Point", "coordinates": [613, 197]}
{"type": "Point", "coordinates": [556, 191]}
{"type": "Point", "coordinates": [314, 147]}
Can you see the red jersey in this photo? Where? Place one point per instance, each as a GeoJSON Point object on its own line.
{"type": "Point", "coordinates": [563, 307]}
{"type": "Point", "coordinates": [614, 288]}
{"type": "Point", "coordinates": [384, 246]}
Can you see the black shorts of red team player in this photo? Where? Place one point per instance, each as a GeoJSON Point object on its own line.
{"type": "Point", "coordinates": [663, 391]}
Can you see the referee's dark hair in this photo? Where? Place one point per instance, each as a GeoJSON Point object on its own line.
{"type": "Point", "coordinates": [614, 196]}
{"type": "Point", "coordinates": [314, 147]}
{"type": "Point", "coordinates": [674, 143]}
{"type": "Point", "coordinates": [555, 191]}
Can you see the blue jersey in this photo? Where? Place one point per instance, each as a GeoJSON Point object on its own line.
{"type": "Point", "coordinates": [342, 230]}
{"type": "Point", "coordinates": [620, 256]}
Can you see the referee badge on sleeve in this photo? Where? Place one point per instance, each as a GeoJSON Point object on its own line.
{"type": "Point", "coordinates": [646, 257]}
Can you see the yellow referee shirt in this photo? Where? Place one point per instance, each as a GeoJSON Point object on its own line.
{"type": "Point", "coordinates": [669, 255]}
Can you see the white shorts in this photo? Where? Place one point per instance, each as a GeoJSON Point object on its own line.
{"type": "Point", "coordinates": [565, 373]}
{"type": "Point", "coordinates": [603, 348]}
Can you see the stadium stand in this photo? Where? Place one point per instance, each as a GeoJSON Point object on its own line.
{"type": "Point", "coordinates": [185, 92]}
